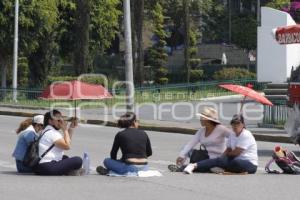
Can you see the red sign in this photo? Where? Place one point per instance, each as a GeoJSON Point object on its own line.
{"type": "Point", "coordinates": [288, 34]}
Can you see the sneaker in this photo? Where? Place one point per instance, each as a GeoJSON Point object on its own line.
{"type": "Point", "coordinates": [174, 168]}
{"type": "Point", "coordinates": [101, 170]}
{"type": "Point", "coordinates": [76, 172]}
{"type": "Point", "coordinates": [217, 170]}
{"type": "Point", "coordinates": [189, 169]}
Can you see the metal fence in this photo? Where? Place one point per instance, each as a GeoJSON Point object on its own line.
{"type": "Point", "coordinates": [154, 94]}
{"type": "Point", "coordinates": [276, 114]}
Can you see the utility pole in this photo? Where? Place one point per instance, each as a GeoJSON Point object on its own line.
{"type": "Point", "coordinates": [128, 57]}
{"type": "Point", "coordinates": [15, 59]}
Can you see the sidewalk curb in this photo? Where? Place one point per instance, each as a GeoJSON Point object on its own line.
{"type": "Point", "coordinates": [258, 136]}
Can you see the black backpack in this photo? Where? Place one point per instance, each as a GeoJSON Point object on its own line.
{"type": "Point", "coordinates": [32, 158]}
{"type": "Point", "coordinates": [289, 163]}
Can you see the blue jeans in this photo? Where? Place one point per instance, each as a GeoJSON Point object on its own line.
{"type": "Point", "coordinates": [120, 167]}
{"type": "Point", "coordinates": [229, 164]}
{"type": "Point", "coordinates": [21, 168]}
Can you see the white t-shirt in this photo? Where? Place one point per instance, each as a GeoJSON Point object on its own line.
{"type": "Point", "coordinates": [247, 142]}
{"type": "Point", "coordinates": [46, 141]}
{"type": "Point", "coordinates": [215, 143]}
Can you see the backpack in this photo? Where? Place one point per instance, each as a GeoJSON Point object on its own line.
{"type": "Point", "coordinates": [32, 158]}
{"type": "Point", "coordinates": [288, 163]}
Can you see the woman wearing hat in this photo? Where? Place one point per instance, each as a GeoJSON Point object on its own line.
{"type": "Point", "coordinates": [25, 138]}
{"type": "Point", "coordinates": [240, 155]}
{"type": "Point", "coordinates": [212, 135]}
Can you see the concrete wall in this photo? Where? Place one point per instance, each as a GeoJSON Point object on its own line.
{"type": "Point", "coordinates": [274, 61]}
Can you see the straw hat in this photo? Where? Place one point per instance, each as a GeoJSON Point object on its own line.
{"type": "Point", "coordinates": [210, 114]}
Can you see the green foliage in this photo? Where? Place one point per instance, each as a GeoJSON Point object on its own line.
{"type": "Point", "coordinates": [104, 23]}
{"type": "Point", "coordinates": [163, 81]}
{"type": "Point", "coordinates": [194, 61]}
{"type": "Point", "coordinates": [23, 71]}
{"type": "Point", "coordinates": [196, 75]}
{"type": "Point", "coordinates": [157, 55]}
{"type": "Point", "coordinates": [233, 73]}
{"type": "Point", "coordinates": [278, 4]}
{"type": "Point", "coordinates": [82, 40]}
{"type": "Point", "coordinates": [215, 21]}
{"type": "Point", "coordinates": [245, 36]}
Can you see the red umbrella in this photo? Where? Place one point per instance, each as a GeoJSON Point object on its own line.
{"type": "Point", "coordinates": [75, 90]}
{"type": "Point", "coordinates": [247, 92]}
{"type": "Point", "coordinates": [288, 34]}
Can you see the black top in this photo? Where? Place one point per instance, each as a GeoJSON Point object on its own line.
{"type": "Point", "coordinates": [134, 143]}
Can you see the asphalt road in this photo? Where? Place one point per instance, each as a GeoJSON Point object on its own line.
{"type": "Point", "coordinates": [97, 142]}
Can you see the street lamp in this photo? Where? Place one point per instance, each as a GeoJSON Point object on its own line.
{"type": "Point", "coordinates": [15, 57]}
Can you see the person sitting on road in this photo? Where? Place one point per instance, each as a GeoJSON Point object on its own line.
{"type": "Point", "coordinates": [24, 125]}
{"type": "Point", "coordinates": [212, 135]}
{"type": "Point", "coordinates": [135, 147]}
{"type": "Point", "coordinates": [240, 155]}
{"type": "Point", "coordinates": [27, 133]}
{"type": "Point", "coordinates": [55, 162]}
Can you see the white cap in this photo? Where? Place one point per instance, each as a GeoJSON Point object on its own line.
{"type": "Point", "coordinates": [38, 119]}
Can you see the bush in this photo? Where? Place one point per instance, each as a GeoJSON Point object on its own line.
{"type": "Point", "coordinates": [161, 72]}
{"type": "Point", "coordinates": [196, 75]}
{"type": "Point", "coordinates": [163, 81]}
{"type": "Point", "coordinates": [233, 73]}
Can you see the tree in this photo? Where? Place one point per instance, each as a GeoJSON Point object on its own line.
{"type": "Point", "coordinates": [81, 31]}
{"type": "Point", "coordinates": [6, 37]}
{"type": "Point", "coordinates": [186, 5]}
{"type": "Point", "coordinates": [96, 22]}
{"type": "Point", "coordinates": [214, 21]}
{"type": "Point", "coordinates": [42, 37]}
{"type": "Point", "coordinates": [138, 24]}
{"type": "Point", "coordinates": [37, 19]}
{"type": "Point", "coordinates": [278, 4]}
{"type": "Point", "coordinates": [157, 54]}
{"type": "Point", "coordinates": [244, 36]}
{"type": "Point", "coordinates": [105, 18]}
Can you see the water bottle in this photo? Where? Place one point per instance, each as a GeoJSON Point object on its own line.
{"type": "Point", "coordinates": [86, 163]}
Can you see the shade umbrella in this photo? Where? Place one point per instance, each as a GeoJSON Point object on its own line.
{"type": "Point", "coordinates": [74, 90]}
{"type": "Point", "coordinates": [247, 92]}
{"type": "Point", "coordinates": [287, 34]}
